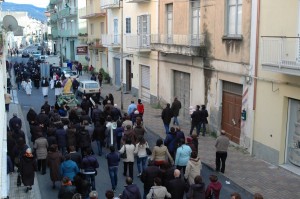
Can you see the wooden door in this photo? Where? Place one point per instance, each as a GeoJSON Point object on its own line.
{"type": "Point", "coordinates": [231, 115]}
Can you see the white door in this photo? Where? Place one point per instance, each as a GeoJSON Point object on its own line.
{"type": "Point", "coordinates": [145, 79]}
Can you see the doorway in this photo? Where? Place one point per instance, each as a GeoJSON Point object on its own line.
{"type": "Point", "coordinates": [129, 75]}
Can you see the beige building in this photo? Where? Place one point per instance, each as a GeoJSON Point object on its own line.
{"type": "Point", "coordinates": [277, 120]}
{"type": "Point", "coordinates": [96, 26]}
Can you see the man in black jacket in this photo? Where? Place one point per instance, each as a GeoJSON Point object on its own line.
{"type": "Point", "coordinates": [148, 176]}
{"type": "Point", "coordinates": [176, 106]}
{"type": "Point", "coordinates": [113, 159]}
{"type": "Point", "coordinates": [166, 116]}
{"type": "Point", "coordinates": [196, 119]}
{"type": "Point", "coordinates": [203, 120]}
{"type": "Point", "coordinates": [176, 187]}
{"type": "Point", "coordinates": [131, 190]}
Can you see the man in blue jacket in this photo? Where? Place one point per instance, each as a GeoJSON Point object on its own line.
{"type": "Point", "coordinates": [89, 165]}
{"type": "Point", "coordinates": [113, 159]}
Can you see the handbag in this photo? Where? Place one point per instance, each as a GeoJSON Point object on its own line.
{"type": "Point", "coordinates": [148, 150]}
{"type": "Point", "coordinates": [19, 181]}
{"type": "Point", "coordinates": [124, 154]}
{"type": "Point", "coordinates": [211, 195]}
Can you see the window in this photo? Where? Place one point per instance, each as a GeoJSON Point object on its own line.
{"type": "Point", "coordinates": [234, 17]}
{"type": "Point", "coordinates": [102, 27]}
{"type": "Point", "coordinates": [128, 25]}
{"type": "Point", "coordinates": [143, 27]}
{"type": "Point", "coordinates": [169, 8]}
{"type": "Point", "coordinates": [91, 6]}
{"type": "Point", "coordinates": [92, 28]}
{"type": "Point", "coordinates": [116, 36]}
{"type": "Point", "coordinates": [195, 21]}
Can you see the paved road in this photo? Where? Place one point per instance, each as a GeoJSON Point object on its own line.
{"type": "Point", "coordinates": [102, 180]}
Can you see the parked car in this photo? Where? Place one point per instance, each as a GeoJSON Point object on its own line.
{"type": "Point", "coordinates": [25, 54]}
{"type": "Point", "coordinates": [90, 88]}
{"type": "Point", "coordinates": [69, 73]}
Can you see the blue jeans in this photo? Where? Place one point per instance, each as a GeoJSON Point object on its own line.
{"type": "Point", "coordinates": [99, 145]}
{"type": "Point", "coordinates": [197, 128]}
{"type": "Point", "coordinates": [113, 174]}
{"type": "Point", "coordinates": [167, 128]}
{"type": "Point", "coordinates": [141, 163]}
{"type": "Point", "coordinates": [91, 179]}
{"type": "Point", "coordinates": [175, 120]}
{"type": "Point", "coordinates": [203, 125]}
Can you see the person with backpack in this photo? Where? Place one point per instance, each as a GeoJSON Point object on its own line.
{"type": "Point", "coordinates": [214, 188]}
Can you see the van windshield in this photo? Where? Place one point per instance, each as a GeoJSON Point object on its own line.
{"type": "Point", "coordinates": [91, 85]}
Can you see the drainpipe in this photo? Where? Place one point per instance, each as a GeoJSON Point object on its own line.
{"type": "Point", "coordinates": [158, 53]}
{"type": "Point", "coordinates": [254, 49]}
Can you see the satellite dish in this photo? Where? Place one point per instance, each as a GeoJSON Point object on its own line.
{"type": "Point", "coordinates": [10, 23]}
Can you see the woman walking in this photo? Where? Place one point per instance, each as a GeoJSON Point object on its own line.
{"type": "Point", "coordinates": [45, 85]}
{"type": "Point", "coordinates": [41, 145]}
{"type": "Point", "coordinates": [159, 154]}
{"type": "Point", "coordinates": [54, 159]}
{"type": "Point", "coordinates": [193, 168]}
{"type": "Point", "coordinates": [183, 155]}
{"type": "Point", "coordinates": [128, 148]}
{"type": "Point", "coordinates": [27, 168]}
{"type": "Point", "coordinates": [140, 150]}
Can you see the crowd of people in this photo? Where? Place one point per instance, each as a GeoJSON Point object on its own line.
{"type": "Point", "coordinates": [63, 143]}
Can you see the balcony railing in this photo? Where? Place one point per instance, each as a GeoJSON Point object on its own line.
{"type": "Point", "coordinates": [109, 4]}
{"type": "Point", "coordinates": [190, 45]}
{"type": "Point", "coordinates": [67, 33]}
{"type": "Point", "coordinates": [111, 40]}
{"type": "Point", "coordinates": [68, 12]}
{"type": "Point", "coordinates": [100, 13]}
{"type": "Point", "coordinates": [54, 17]}
{"type": "Point", "coordinates": [281, 54]}
{"type": "Point", "coordinates": [138, 42]}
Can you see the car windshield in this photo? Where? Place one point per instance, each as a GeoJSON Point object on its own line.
{"type": "Point", "coordinates": [91, 85]}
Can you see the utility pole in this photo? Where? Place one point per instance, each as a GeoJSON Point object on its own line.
{"type": "Point", "coordinates": [121, 48]}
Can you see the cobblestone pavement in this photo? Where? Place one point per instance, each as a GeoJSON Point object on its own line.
{"type": "Point", "coordinates": [254, 175]}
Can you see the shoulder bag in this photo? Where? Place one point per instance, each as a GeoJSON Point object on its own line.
{"type": "Point", "coordinates": [148, 150]}
{"type": "Point", "coordinates": [124, 154]}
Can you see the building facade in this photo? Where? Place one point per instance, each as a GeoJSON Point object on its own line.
{"type": "Point", "coordinates": [277, 132]}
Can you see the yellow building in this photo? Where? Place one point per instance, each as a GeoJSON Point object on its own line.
{"type": "Point", "coordinates": [277, 120]}
{"type": "Point", "coordinates": [96, 27]}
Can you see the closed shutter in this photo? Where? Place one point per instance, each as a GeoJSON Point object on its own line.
{"type": "Point", "coordinates": [117, 72]}
{"type": "Point", "coordinates": [103, 60]}
{"type": "Point", "coordinates": [182, 91]}
{"type": "Point", "coordinates": [145, 78]}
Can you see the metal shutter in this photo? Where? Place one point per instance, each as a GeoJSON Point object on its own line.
{"type": "Point", "coordinates": [145, 79]}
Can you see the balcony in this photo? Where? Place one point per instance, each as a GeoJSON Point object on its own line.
{"type": "Point", "coordinates": [67, 33]}
{"type": "Point", "coordinates": [53, 17]}
{"type": "Point", "coordinates": [137, 1]}
{"type": "Point", "coordinates": [95, 44]}
{"type": "Point", "coordinates": [53, 2]}
{"type": "Point", "coordinates": [189, 45]}
{"type": "Point", "coordinates": [110, 4]}
{"type": "Point", "coordinates": [54, 33]}
{"type": "Point", "coordinates": [102, 13]}
{"type": "Point", "coordinates": [281, 54]}
{"type": "Point", "coordinates": [68, 12]}
{"type": "Point", "coordinates": [140, 43]}
{"type": "Point", "coordinates": [111, 40]}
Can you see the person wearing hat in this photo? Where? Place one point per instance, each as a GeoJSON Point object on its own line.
{"type": "Point", "coordinates": [222, 143]}
{"type": "Point", "coordinates": [28, 166]}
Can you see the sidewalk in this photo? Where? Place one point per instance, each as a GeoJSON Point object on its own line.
{"type": "Point", "coordinates": [16, 192]}
{"type": "Point", "coordinates": [254, 175]}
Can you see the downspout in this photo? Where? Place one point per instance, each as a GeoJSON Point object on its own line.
{"type": "Point", "coordinates": [256, 21]}
{"type": "Point", "coordinates": [158, 53]}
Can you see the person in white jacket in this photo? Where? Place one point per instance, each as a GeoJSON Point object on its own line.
{"type": "Point", "coordinates": [128, 162]}
{"type": "Point", "coordinates": [140, 150]}
{"type": "Point", "coordinates": [193, 168]}
{"type": "Point", "coordinates": [157, 191]}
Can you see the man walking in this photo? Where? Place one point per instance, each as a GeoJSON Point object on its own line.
{"type": "Point", "coordinates": [196, 117]}
{"type": "Point", "coordinates": [222, 143]}
{"type": "Point", "coordinates": [176, 187]}
{"type": "Point", "coordinates": [203, 119]}
{"type": "Point", "coordinates": [166, 116]}
{"type": "Point", "coordinates": [176, 106]}
{"type": "Point", "coordinates": [113, 159]}
{"type": "Point", "coordinates": [89, 165]}
{"type": "Point", "coordinates": [131, 190]}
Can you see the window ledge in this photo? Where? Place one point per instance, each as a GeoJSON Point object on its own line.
{"type": "Point", "coordinates": [233, 37]}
